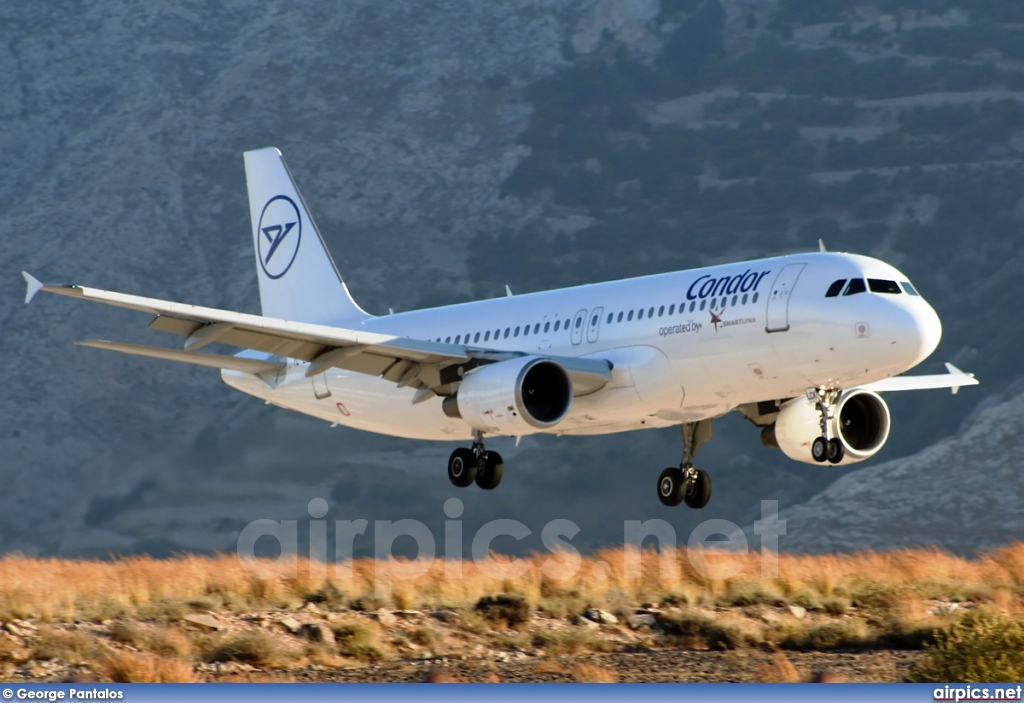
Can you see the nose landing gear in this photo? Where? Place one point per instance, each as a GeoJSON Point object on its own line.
{"type": "Point", "coordinates": [685, 483]}
{"type": "Point", "coordinates": [466, 466]}
{"type": "Point", "coordinates": [826, 448]}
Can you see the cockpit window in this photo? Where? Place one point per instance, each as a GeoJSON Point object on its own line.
{"type": "Point", "coordinates": [835, 288]}
{"type": "Point", "coordinates": [855, 286]}
{"type": "Point", "coordinates": [878, 285]}
{"type": "Point", "coordinates": [909, 288]}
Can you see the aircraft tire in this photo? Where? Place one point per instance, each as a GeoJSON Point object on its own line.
{"type": "Point", "coordinates": [462, 468]}
{"type": "Point", "coordinates": [836, 452]}
{"type": "Point", "coordinates": [700, 491]}
{"type": "Point", "coordinates": [488, 476]}
{"type": "Point", "coordinates": [671, 486]}
{"type": "Point", "coordinates": [819, 449]}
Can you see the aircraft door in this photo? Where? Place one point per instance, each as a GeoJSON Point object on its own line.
{"type": "Point", "coordinates": [577, 326]}
{"type": "Point", "coordinates": [778, 298]}
{"type": "Point", "coordinates": [594, 324]}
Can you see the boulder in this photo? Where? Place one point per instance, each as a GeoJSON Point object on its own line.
{"type": "Point", "coordinates": [318, 632]}
{"type": "Point", "coordinates": [204, 621]}
{"type": "Point", "coordinates": [602, 617]}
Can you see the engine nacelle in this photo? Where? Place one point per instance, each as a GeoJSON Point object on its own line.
{"type": "Point", "coordinates": [860, 421]}
{"type": "Point", "coordinates": [516, 397]}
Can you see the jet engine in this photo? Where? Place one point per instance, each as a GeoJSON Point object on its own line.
{"type": "Point", "coordinates": [516, 397]}
{"type": "Point", "coordinates": [860, 420]}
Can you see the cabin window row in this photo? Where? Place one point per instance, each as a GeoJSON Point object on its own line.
{"type": "Point", "coordinates": [624, 316]}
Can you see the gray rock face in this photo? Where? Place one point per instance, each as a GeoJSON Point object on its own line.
{"type": "Point", "coordinates": [121, 131]}
{"type": "Point", "coordinates": [961, 494]}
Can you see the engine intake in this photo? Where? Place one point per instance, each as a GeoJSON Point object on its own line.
{"type": "Point", "coordinates": [515, 397]}
{"type": "Point", "coordinates": [861, 422]}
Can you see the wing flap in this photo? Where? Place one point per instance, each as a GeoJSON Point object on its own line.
{"type": "Point", "coordinates": [213, 361]}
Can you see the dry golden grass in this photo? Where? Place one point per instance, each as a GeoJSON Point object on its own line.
{"type": "Point", "coordinates": [128, 667]}
{"type": "Point", "coordinates": [166, 589]}
{"type": "Point", "coordinates": [898, 599]}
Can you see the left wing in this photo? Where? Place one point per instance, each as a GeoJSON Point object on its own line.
{"type": "Point", "coordinates": [408, 362]}
{"type": "Point", "coordinates": [953, 380]}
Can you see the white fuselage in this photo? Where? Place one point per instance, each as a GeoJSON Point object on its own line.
{"type": "Point", "coordinates": [707, 341]}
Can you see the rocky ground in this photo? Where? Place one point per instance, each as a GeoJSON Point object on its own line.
{"type": "Point", "coordinates": [316, 643]}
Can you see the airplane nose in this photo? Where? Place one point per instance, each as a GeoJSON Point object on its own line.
{"type": "Point", "coordinates": [928, 329]}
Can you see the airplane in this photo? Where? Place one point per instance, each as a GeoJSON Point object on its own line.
{"type": "Point", "coordinates": [801, 345]}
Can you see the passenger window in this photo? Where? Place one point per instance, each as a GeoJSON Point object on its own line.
{"type": "Point", "coordinates": [878, 285]}
{"type": "Point", "coordinates": [476, 338]}
{"type": "Point", "coordinates": [547, 327]}
{"type": "Point", "coordinates": [487, 336]}
{"type": "Point", "coordinates": [507, 330]}
{"type": "Point", "coordinates": [672, 309]}
{"type": "Point", "coordinates": [661, 311]}
{"type": "Point", "coordinates": [619, 318]}
{"type": "Point", "coordinates": [754, 299]}
{"type": "Point", "coordinates": [457, 338]}
{"type": "Point", "coordinates": [447, 340]}
{"type": "Point", "coordinates": [640, 314]}
{"type": "Point", "coordinates": [650, 313]}
{"type": "Point", "coordinates": [516, 333]}
{"type": "Point", "coordinates": [526, 331]}
{"type": "Point", "coordinates": [733, 303]}
{"type": "Point", "coordinates": [536, 328]}
{"type": "Point", "coordinates": [702, 303]}
{"type": "Point", "coordinates": [579, 321]}
{"type": "Point", "coordinates": [693, 305]}
{"type": "Point", "coordinates": [629, 317]}
{"type": "Point", "coordinates": [835, 288]}
{"type": "Point", "coordinates": [744, 301]}
{"type": "Point", "coordinates": [909, 288]}
{"type": "Point", "coordinates": [610, 316]}
{"type": "Point", "coordinates": [855, 286]}
{"type": "Point", "coordinates": [714, 303]}
{"type": "Point", "coordinates": [593, 321]}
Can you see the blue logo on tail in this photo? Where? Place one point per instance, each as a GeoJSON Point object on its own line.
{"type": "Point", "coordinates": [280, 231]}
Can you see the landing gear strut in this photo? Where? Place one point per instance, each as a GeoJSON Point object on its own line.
{"type": "Point", "coordinates": [826, 448]}
{"type": "Point", "coordinates": [466, 466]}
{"type": "Point", "coordinates": [685, 483]}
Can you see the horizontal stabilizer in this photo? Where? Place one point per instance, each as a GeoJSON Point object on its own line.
{"type": "Point", "coordinates": [213, 361]}
{"type": "Point", "coordinates": [953, 380]}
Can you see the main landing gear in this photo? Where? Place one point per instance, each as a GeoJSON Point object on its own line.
{"type": "Point", "coordinates": [676, 485]}
{"type": "Point", "coordinates": [466, 466]}
{"type": "Point", "coordinates": [826, 448]}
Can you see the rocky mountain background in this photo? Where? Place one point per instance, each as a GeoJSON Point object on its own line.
{"type": "Point", "coordinates": [448, 149]}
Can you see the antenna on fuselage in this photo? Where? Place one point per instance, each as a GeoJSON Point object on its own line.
{"type": "Point", "coordinates": [821, 245]}
{"type": "Point", "coordinates": [508, 291]}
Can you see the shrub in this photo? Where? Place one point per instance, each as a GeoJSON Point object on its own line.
{"type": "Point", "coordinates": [250, 647]}
{"type": "Point", "coordinates": [982, 647]}
{"type": "Point", "coordinates": [126, 667]}
{"type": "Point", "coordinates": [328, 595]}
{"type": "Point", "coordinates": [358, 641]}
{"type": "Point", "coordinates": [843, 634]}
{"type": "Point", "coordinates": [836, 605]}
{"type": "Point", "coordinates": [696, 631]}
{"type": "Point", "coordinates": [73, 647]}
{"type": "Point", "coordinates": [512, 609]}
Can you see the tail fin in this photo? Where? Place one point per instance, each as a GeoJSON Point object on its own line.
{"type": "Point", "coordinates": [298, 278]}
